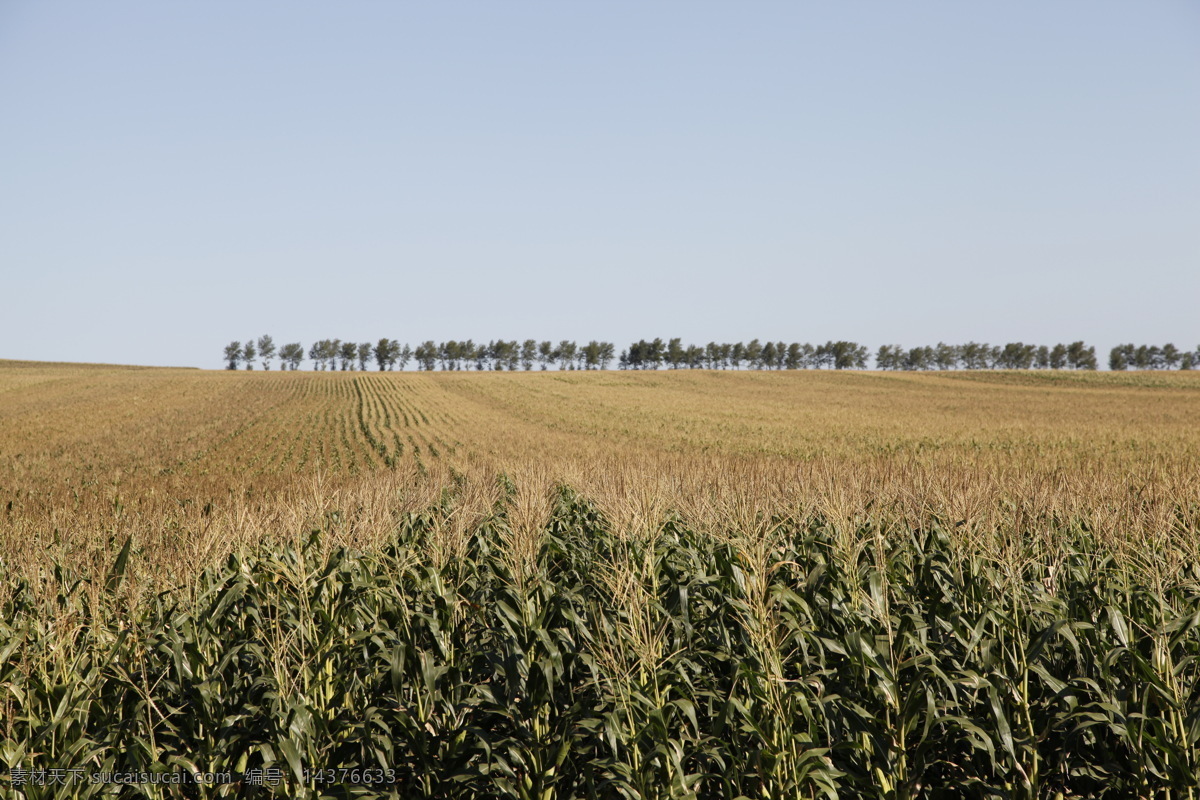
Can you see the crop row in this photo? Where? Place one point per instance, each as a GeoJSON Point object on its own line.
{"type": "Point", "coordinates": [566, 660]}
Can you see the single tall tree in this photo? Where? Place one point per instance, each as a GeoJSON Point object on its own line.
{"type": "Point", "coordinates": [565, 354]}
{"type": "Point", "coordinates": [607, 351]}
{"type": "Point", "coordinates": [753, 354]}
{"type": "Point", "coordinates": [383, 353]}
{"type": "Point", "coordinates": [675, 352]}
{"type": "Point", "coordinates": [347, 353]}
{"type": "Point", "coordinates": [545, 355]}
{"type": "Point", "coordinates": [1118, 359]}
{"type": "Point", "coordinates": [266, 350]}
{"type": "Point", "coordinates": [768, 354]}
{"type": "Point", "coordinates": [233, 354]}
{"type": "Point", "coordinates": [792, 359]}
{"type": "Point", "coordinates": [1058, 356]}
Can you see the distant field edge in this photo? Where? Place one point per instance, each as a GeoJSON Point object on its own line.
{"type": "Point", "coordinates": [15, 363]}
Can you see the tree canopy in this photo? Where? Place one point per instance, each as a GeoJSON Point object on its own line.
{"type": "Point", "coordinates": [651, 354]}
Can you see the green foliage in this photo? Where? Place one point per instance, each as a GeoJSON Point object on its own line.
{"type": "Point", "coordinates": [233, 354]}
{"type": "Point", "coordinates": [365, 353]}
{"type": "Point", "coordinates": [973, 355]}
{"type": "Point", "coordinates": [783, 662]}
{"type": "Point", "coordinates": [1142, 357]}
{"type": "Point", "coordinates": [347, 354]}
{"type": "Point", "coordinates": [266, 350]}
{"type": "Point", "coordinates": [290, 355]}
{"type": "Point", "coordinates": [512, 355]}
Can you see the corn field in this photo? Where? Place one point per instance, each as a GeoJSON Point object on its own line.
{"type": "Point", "coordinates": [607, 586]}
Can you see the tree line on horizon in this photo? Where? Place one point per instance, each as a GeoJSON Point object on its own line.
{"type": "Point", "coordinates": [1128, 356]}
{"type": "Point", "coordinates": [389, 354]}
{"type": "Point", "coordinates": [973, 355]}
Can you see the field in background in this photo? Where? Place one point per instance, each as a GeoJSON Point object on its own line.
{"type": "Point", "coordinates": [662, 584]}
{"type": "Point", "coordinates": [194, 464]}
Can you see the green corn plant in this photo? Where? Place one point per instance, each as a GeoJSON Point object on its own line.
{"type": "Point", "coordinates": [789, 658]}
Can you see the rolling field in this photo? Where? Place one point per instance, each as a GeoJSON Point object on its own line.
{"type": "Point", "coordinates": [602, 584]}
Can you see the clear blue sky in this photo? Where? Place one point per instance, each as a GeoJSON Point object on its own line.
{"type": "Point", "coordinates": [177, 175]}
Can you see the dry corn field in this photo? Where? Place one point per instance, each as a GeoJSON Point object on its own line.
{"type": "Point", "coordinates": [600, 584]}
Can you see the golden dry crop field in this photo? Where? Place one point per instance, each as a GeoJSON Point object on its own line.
{"type": "Point", "coordinates": [195, 464]}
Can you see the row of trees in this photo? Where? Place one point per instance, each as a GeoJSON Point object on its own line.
{"type": "Point", "coordinates": [1128, 356]}
{"type": "Point", "coordinates": [513, 355]}
{"type": "Point", "coordinates": [973, 355]}
{"type": "Point", "coordinates": [388, 354]}
{"type": "Point", "coordinates": [329, 354]}
{"type": "Point", "coordinates": [755, 355]}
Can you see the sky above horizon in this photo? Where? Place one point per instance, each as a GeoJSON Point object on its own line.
{"type": "Point", "coordinates": [177, 176]}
